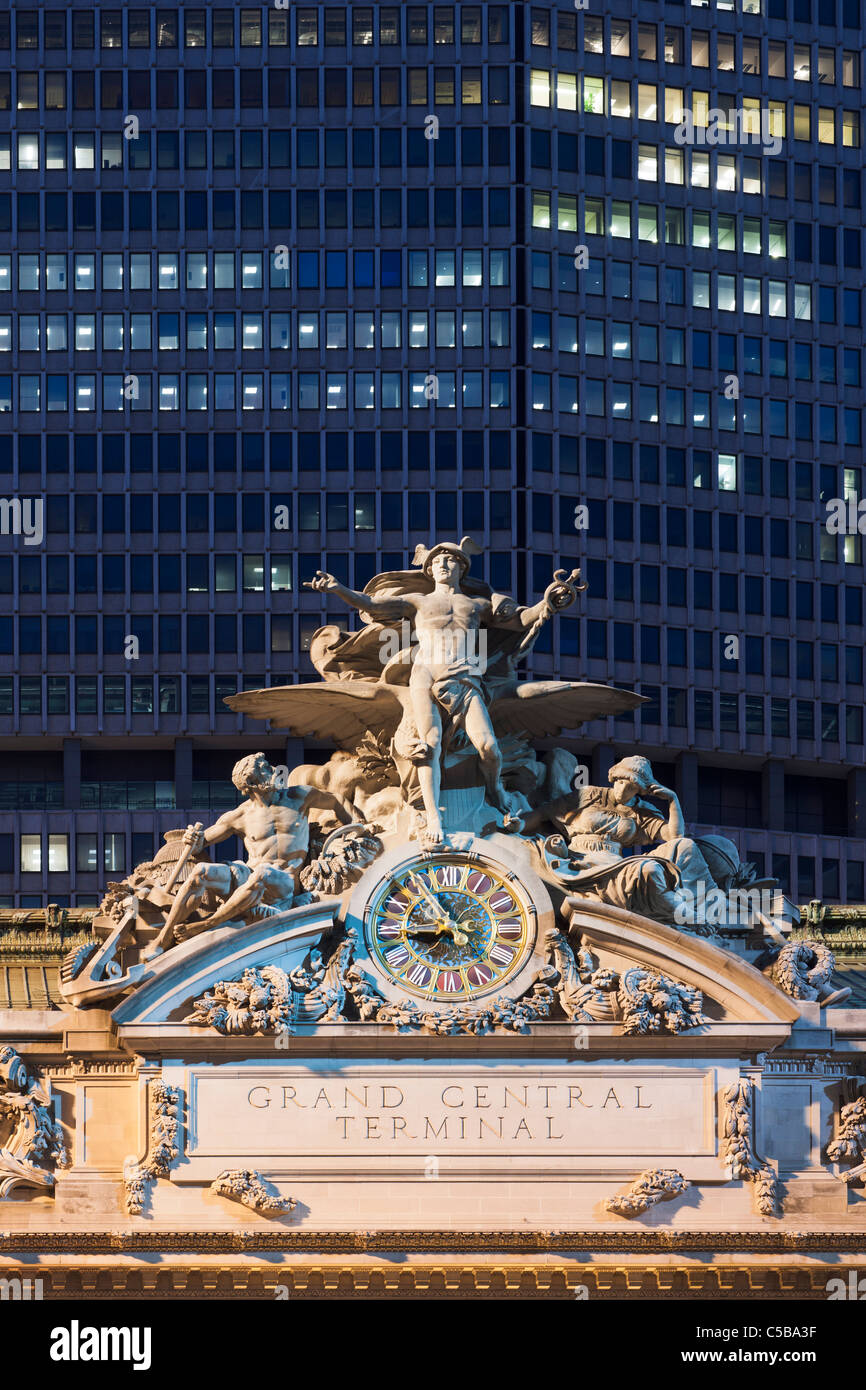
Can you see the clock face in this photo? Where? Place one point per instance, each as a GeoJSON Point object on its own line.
{"type": "Point", "coordinates": [448, 928]}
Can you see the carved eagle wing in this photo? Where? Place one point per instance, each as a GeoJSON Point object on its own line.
{"type": "Point", "coordinates": [544, 708]}
{"type": "Point", "coordinates": [341, 711]}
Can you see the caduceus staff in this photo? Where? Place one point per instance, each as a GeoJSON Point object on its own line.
{"type": "Point", "coordinates": [560, 593]}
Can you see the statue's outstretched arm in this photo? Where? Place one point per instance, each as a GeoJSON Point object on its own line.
{"type": "Point", "coordinates": [221, 829]}
{"type": "Point", "coordinates": [385, 608]}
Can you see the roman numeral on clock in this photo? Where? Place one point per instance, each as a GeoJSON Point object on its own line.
{"type": "Point", "coordinates": [398, 955]}
{"type": "Point", "coordinates": [449, 875]}
{"type": "Point", "coordinates": [479, 975]}
{"type": "Point", "coordinates": [503, 902]}
{"type": "Point", "coordinates": [502, 955]}
{"type": "Point", "coordinates": [419, 974]}
{"type": "Point", "coordinates": [449, 982]}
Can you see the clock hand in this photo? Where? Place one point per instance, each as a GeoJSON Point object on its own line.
{"type": "Point", "coordinates": [441, 911]}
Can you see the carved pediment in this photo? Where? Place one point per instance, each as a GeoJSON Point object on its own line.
{"type": "Point", "coordinates": [734, 994]}
{"type": "Point", "coordinates": [196, 967]}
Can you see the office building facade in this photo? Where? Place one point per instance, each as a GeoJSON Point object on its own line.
{"type": "Point", "coordinates": [296, 287]}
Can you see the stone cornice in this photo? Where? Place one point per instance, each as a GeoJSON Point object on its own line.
{"type": "Point", "coordinates": [625, 1240]}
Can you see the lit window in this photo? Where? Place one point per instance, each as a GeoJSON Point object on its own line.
{"type": "Point", "coordinates": [620, 45]}
{"type": "Point", "coordinates": [445, 264]}
{"type": "Point", "coordinates": [335, 329]}
{"type": "Point", "coordinates": [673, 105]}
{"type": "Point", "coordinates": [593, 95]}
{"type": "Point", "coordinates": [252, 391]}
{"type": "Point", "coordinates": [700, 228]}
{"type": "Point", "coordinates": [777, 299]}
{"type": "Point", "coordinates": [58, 854]}
{"type": "Point", "coordinates": [418, 334]}
{"type": "Point", "coordinates": [851, 129]}
{"type": "Point", "coordinates": [700, 169]}
{"type": "Point", "coordinates": [167, 272]}
{"type": "Point", "coordinates": [540, 210]}
{"type": "Point", "coordinates": [169, 392]}
{"type": "Point", "coordinates": [472, 267]}
{"type": "Point", "coordinates": [752, 236]}
{"type": "Point", "coordinates": [566, 91]}
{"type": "Point", "coordinates": [751, 295]}
{"type": "Point", "coordinates": [701, 289]}
{"type": "Point", "coordinates": [196, 270]}
{"type": "Point", "coordinates": [567, 212]}
{"type": "Point", "coordinates": [751, 173]}
{"type": "Point", "coordinates": [620, 340]}
{"type": "Point", "coordinates": [593, 216]}
{"type": "Point", "coordinates": [620, 99]}
{"type": "Point", "coordinates": [620, 219]}
{"type": "Point", "coordinates": [539, 87]}
{"type": "Point", "coordinates": [28, 151]}
{"type": "Point", "coordinates": [647, 163]}
{"type": "Point", "coordinates": [251, 270]}
{"type": "Point", "coordinates": [726, 231]}
{"type": "Point", "coordinates": [85, 392]}
{"type": "Point", "coordinates": [83, 151]}
{"type": "Point", "coordinates": [726, 293]}
{"type": "Point", "coordinates": [31, 854]}
{"type": "Point", "coordinates": [647, 101]}
{"type": "Point", "coordinates": [647, 222]}
{"type": "Point", "coordinates": [826, 125]}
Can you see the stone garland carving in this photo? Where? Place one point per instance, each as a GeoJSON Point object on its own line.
{"type": "Point", "coordinates": [737, 1146]}
{"type": "Point", "coordinates": [258, 1003]}
{"type": "Point", "coordinates": [585, 993]}
{"type": "Point", "coordinates": [850, 1142]}
{"type": "Point", "coordinates": [803, 969]}
{"type": "Point", "coordinates": [35, 1134]}
{"type": "Point", "coordinates": [649, 1187]}
{"type": "Point", "coordinates": [165, 1108]}
{"type": "Point", "coordinates": [328, 985]}
{"type": "Point", "coordinates": [247, 1186]}
{"type": "Point", "coordinates": [653, 1003]}
{"type": "Point", "coordinates": [343, 858]}
{"type": "Point", "coordinates": [513, 1014]}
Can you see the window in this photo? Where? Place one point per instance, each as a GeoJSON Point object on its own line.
{"type": "Point", "coordinates": [31, 854]}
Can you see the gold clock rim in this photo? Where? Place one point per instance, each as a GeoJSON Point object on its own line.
{"type": "Point", "coordinates": [501, 876]}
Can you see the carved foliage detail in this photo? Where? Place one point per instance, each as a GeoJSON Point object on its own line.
{"type": "Point", "coordinates": [738, 1146]}
{"type": "Point", "coordinates": [35, 1137]}
{"type": "Point", "coordinates": [165, 1109]}
{"type": "Point", "coordinates": [850, 1142]}
{"type": "Point", "coordinates": [259, 1002]}
{"type": "Point", "coordinates": [515, 1015]}
{"type": "Point", "coordinates": [653, 1003]}
{"type": "Point", "coordinates": [647, 1189]}
{"type": "Point", "coordinates": [803, 969]}
{"type": "Point", "coordinates": [247, 1186]}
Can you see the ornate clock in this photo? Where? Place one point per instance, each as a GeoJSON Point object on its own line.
{"type": "Point", "coordinates": [450, 927]}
